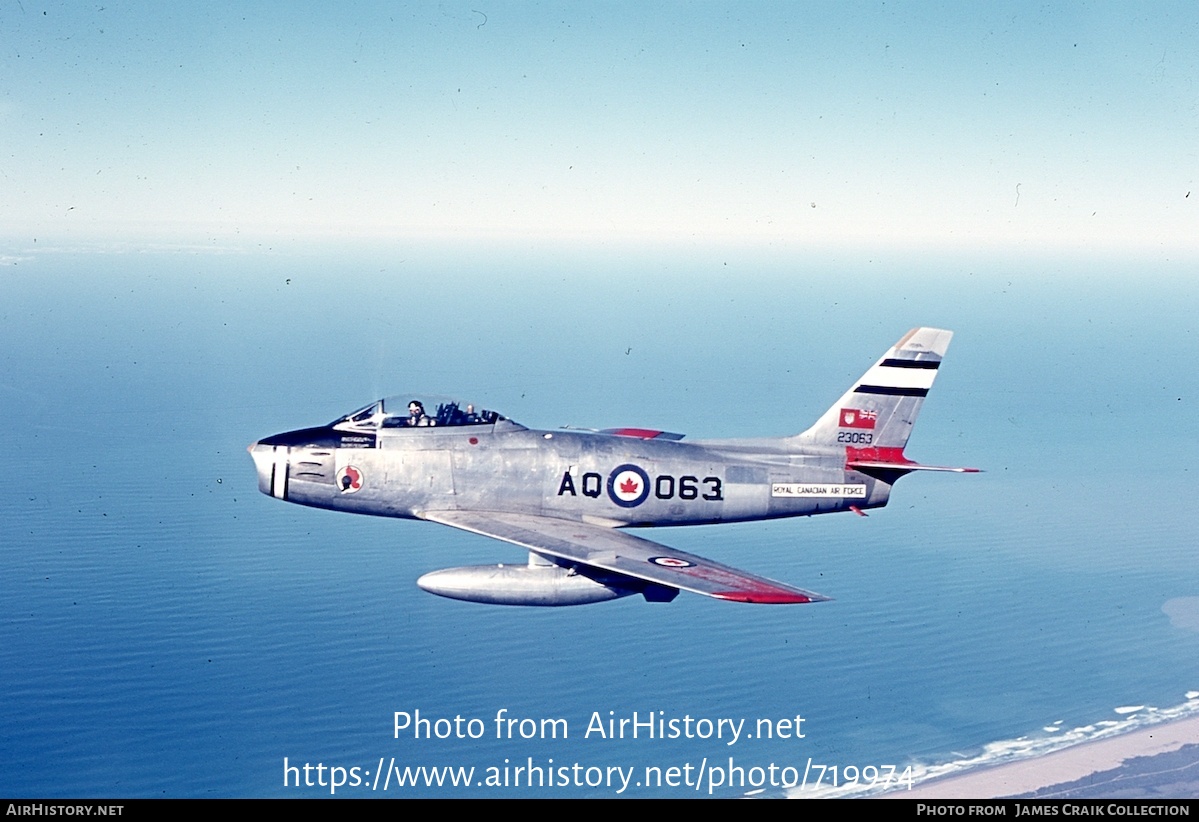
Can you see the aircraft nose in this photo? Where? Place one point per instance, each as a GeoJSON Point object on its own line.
{"type": "Point", "coordinates": [271, 463]}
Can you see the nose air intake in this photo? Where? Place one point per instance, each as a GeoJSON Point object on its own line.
{"type": "Point", "coordinates": [273, 467]}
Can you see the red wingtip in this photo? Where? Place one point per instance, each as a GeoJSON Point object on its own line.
{"type": "Point", "coordinates": [765, 597]}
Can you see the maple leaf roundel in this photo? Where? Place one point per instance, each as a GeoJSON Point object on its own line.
{"type": "Point", "coordinates": [628, 485]}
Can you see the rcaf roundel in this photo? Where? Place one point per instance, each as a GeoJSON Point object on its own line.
{"type": "Point", "coordinates": [628, 485]}
{"type": "Point", "coordinates": [671, 562]}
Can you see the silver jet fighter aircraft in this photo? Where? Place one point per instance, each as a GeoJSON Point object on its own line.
{"type": "Point", "coordinates": [565, 495]}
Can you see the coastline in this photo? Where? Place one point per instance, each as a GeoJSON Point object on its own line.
{"type": "Point", "coordinates": [1060, 769]}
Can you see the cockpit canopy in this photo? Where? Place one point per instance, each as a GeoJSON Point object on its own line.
{"type": "Point", "coordinates": [415, 411]}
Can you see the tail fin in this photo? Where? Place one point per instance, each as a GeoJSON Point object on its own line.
{"type": "Point", "coordinates": [873, 420]}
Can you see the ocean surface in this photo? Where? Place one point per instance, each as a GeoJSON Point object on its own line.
{"type": "Point", "coordinates": [168, 631]}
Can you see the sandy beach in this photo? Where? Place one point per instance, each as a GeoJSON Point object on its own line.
{"type": "Point", "coordinates": [1080, 762]}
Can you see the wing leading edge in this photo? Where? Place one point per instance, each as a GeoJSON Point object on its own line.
{"type": "Point", "coordinates": [621, 553]}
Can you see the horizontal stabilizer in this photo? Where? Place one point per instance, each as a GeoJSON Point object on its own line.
{"type": "Point", "coordinates": [910, 466]}
{"type": "Point", "coordinates": [892, 459]}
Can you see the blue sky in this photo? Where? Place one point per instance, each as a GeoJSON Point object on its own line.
{"type": "Point", "coordinates": [1011, 124]}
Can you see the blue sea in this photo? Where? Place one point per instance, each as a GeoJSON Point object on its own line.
{"type": "Point", "coordinates": [168, 631]}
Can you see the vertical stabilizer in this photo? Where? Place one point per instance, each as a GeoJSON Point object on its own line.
{"type": "Point", "coordinates": [878, 411]}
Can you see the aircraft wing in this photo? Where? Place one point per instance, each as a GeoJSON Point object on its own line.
{"type": "Point", "coordinates": [618, 552]}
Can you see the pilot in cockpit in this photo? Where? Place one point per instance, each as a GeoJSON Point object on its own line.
{"type": "Point", "coordinates": [417, 416]}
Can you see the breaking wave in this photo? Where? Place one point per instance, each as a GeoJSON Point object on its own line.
{"type": "Point", "coordinates": [1052, 738]}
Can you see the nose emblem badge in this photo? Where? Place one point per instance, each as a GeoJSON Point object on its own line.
{"type": "Point", "coordinates": [349, 479]}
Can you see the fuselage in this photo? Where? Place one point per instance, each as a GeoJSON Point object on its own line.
{"type": "Point", "coordinates": [565, 474]}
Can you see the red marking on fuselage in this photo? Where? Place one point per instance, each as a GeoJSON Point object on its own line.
{"type": "Point", "coordinates": [891, 455]}
{"type": "Point", "coordinates": [643, 433]}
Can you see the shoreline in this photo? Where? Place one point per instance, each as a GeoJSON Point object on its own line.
{"type": "Point", "coordinates": [1059, 768]}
